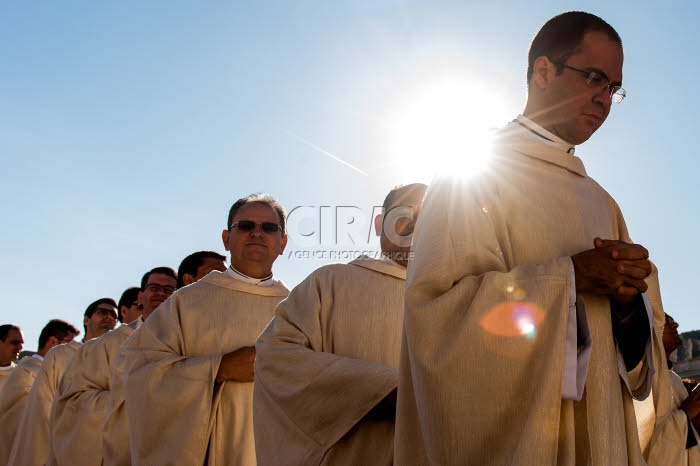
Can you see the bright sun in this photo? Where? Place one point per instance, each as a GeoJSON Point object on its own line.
{"type": "Point", "coordinates": [445, 127]}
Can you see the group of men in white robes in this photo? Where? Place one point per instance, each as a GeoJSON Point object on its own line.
{"type": "Point", "coordinates": [32, 439]}
{"type": "Point", "coordinates": [513, 321]}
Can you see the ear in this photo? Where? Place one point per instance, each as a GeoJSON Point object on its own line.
{"type": "Point", "coordinates": [138, 298]}
{"type": "Point", "coordinates": [283, 244]}
{"type": "Point", "coordinates": [224, 238]}
{"type": "Point", "coordinates": [378, 223]}
{"type": "Point", "coordinates": [122, 312]}
{"type": "Point", "coordinates": [187, 279]}
{"type": "Point", "coordinates": [543, 72]}
{"type": "Point", "coordinates": [51, 342]}
{"type": "Point", "coordinates": [86, 319]}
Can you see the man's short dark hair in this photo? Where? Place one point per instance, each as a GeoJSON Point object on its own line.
{"type": "Point", "coordinates": [191, 263]}
{"type": "Point", "coordinates": [5, 330]}
{"type": "Point", "coordinates": [56, 328]}
{"type": "Point", "coordinates": [129, 297]}
{"type": "Point", "coordinates": [161, 270]}
{"type": "Point", "coordinates": [399, 191]}
{"type": "Point", "coordinates": [562, 35]}
{"type": "Point", "coordinates": [260, 198]}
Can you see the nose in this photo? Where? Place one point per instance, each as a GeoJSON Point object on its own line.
{"type": "Point", "coordinates": [603, 96]}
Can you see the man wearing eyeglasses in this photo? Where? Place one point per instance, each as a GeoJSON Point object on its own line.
{"type": "Point", "coordinates": [82, 397]}
{"type": "Point", "coordinates": [327, 364]}
{"type": "Point", "coordinates": [527, 330]}
{"type": "Point", "coordinates": [32, 440]}
{"type": "Point", "coordinates": [115, 431]}
{"type": "Point", "coordinates": [189, 373]}
{"type": "Point", "coordinates": [13, 396]}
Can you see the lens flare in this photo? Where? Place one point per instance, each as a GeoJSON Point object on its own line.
{"type": "Point", "coordinates": [513, 319]}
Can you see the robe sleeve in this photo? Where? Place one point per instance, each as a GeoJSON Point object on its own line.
{"type": "Point", "coordinates": [305, 398]}
{"type": "Point", "coordinates": [169, 396]}
{"type": "Point", "coordinates": [80, 407]}
{"type": "Point", "coordinates": [478, 328]}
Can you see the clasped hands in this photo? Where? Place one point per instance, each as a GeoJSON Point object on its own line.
{"type": "Point", "coordinates": [691, 406]}
{"type": "Point", "coordinates": [614, 268]}
{"type": "Point", "coordinates": [237, 366]}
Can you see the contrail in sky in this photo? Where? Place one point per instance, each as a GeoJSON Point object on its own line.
{"type": "Point", "coordinates": [324, 152]}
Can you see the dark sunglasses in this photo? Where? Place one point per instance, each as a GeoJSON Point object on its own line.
{"type": "Point", "coordinates": [247, 226]}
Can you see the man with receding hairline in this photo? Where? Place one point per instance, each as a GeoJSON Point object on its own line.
{"type": "Point", "coordinates": [528, 322]}
{"type": "Point", "coordinates": [196, 352]}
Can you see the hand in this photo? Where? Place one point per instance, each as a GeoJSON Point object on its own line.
{"type": "Point", "coordinates": [613, 268]}
{"type": "Point", "coordinates": [237, 366]}
{"type": "Point", "coordinates": [691, 406]}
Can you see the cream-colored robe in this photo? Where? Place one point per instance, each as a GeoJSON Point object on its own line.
{"type": "Point", "coordinates": [5, 374]}
{"type": "Point", "coordinates": [115, 431]}
{"type": "Point", "coordinates": [80, 406]}
{"type": "Point", "coordinates": [485, 326]}
{"type": "Point", "coordinates": [31, 446]}
{"type": "Point", "coordinates": [13, 398]}
{"type": "Point", "coordinates": [177, 413]}
{"type": "Point", "coordinates": [327, 358]}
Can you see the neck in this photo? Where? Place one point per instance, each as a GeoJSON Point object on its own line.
{"type": "Point", "coordinates": [253, 270]}
{"type": "Point", "coordinates": [541, 117]}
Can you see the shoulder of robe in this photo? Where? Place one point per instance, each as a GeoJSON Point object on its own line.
{"type": "Point", "coordinates": [383, 267]}
{"type": "Point", "coordinates": [221, 280]}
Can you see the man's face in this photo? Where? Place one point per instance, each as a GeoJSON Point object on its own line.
{"type": "Point", "coordinates": [130, 313]}
{"type": "Point", "coordinates": [670, 337]}
{"type": "Point", "coordinates": [11, 347]}
{"type": "Point", "coordinates": [208, 264]}
{"type": "Point", "coordinates": [101, 321]}
{"type": "Point", "coordinates": [158, 288]}
{"type": "Point", "coordinates": [396, 225]}
{"type": "Point", "coordinates": [253, 252]}
{"type": "Point", "coordinates": [577, 110]}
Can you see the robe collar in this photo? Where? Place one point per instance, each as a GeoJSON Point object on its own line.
{"type": "Point", "coordinates": [38, 356]}
{"type": "Point", "coordinates": [547, 136]}
{"type": "Point", "coordinates": [7, 368]}
{"type": "Point", "coordinates": [233, 273]}
{"type": "Point", "coordinates": [520, 138]}
{"type": "Point", "coordinates": [136, 324]}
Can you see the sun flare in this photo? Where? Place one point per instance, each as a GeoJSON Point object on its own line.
{"type": "Point", "coordinates": [445, 128]}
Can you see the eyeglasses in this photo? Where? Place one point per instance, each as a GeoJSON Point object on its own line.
{"type": "Point", "coordinates": [154, 288]}
{"type": "Point", "coordinates": [105, 312]}
{"type": "Point", "coordinates": [595, 79]}
{"type": "Point", "coordinates": [247, 226]}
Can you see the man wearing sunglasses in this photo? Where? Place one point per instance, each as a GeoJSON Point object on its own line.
{"type": "Point", "coordinates": [528, 323]}
{"type": "Point", "coordinates": [327, 365]}
{"type": "Point", "coordinates": [196, 354]}
{"type": "Point", "coordinates": [13, 396]}
{"type": "Point", "coordinates": [82, 397]}
{"type": "Point", "coordinates": [31, 445]}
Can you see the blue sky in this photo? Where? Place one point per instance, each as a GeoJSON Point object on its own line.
{"type": "Point", "coordinates": [128, 128]}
